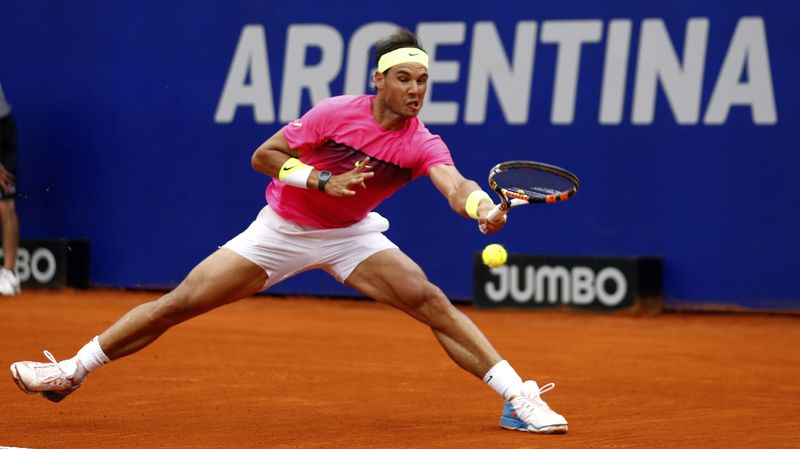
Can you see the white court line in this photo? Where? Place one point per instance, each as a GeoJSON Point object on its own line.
{"type": "Point", "coordinates": [13, 447]}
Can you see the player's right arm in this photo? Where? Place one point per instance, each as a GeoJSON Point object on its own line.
{"type": "Point", "coordinates": [271, 157]}
{"type": "Point", "coordinates": [457, 189]}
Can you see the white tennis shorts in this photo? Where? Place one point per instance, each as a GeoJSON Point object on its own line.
{"type": "Point", "coordinates": [283, 248]}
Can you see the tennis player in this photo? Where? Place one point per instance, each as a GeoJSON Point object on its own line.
{"type": "Point", "coordinates": [330, 169]}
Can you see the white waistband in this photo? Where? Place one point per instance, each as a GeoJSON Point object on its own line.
{"type": "Point", "coordinates": [373, 222]}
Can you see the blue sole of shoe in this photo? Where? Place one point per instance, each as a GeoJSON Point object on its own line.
{"type": "Point", "coordinates": [516, 424]}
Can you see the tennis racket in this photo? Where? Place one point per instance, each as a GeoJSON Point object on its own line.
{"type": "Point", "coordinates": [526, 182]}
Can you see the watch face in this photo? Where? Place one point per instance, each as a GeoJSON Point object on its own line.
{"type": "Point", "coordinates": [324, 176]}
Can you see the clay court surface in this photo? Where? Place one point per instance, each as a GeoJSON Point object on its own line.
{"type": "Point", "coordinates": [307, 373]}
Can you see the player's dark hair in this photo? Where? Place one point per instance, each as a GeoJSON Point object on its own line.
{"type": "Point", "coordinates": [399, 39]}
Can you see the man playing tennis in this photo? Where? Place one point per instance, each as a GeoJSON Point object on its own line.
{"type": "Point", "coordinates": [330, 168]}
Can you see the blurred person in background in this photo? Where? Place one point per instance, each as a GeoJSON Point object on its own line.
{"type": "Point", "coordinates": [9, 280]}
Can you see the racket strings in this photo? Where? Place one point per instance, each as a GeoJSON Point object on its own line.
{"type": "Point", "coordinates": [537, 184]}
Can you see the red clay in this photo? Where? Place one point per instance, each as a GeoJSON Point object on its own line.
{"type": "Point", "coordinates": [306, 373]}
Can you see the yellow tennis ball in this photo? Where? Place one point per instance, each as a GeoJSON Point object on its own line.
{"type": "Point", "coordinates": [494, 255]}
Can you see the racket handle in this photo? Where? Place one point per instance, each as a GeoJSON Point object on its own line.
{"type": "Point", "coordinates": [495, 212]}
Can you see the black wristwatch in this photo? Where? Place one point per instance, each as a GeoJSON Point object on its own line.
{"type": "Point", "coordinates": [324, 177]}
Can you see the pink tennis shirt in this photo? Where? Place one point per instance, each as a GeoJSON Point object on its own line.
{"type": "Point", "coordinates": [336, 134]}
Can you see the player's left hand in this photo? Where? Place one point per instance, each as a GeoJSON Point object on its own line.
{"type": "Point", "coordinates": [345, 183]}
{"type": "Point", "coordinates": [487, 226]}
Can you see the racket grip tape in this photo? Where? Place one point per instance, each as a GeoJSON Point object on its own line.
{"type": "Point", "coordinates": [495, 212]}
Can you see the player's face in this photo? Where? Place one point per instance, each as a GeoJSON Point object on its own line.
{"type": "Point", "coordinates": [403, 88]}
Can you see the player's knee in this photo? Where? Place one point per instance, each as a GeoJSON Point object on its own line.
{"type": "Point", "coordinates": [415, 291]}
{"type": "Point", "coordinates": [432, 304]}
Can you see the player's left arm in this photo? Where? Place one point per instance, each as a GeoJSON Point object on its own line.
{"type": "Point", "coordinates": [270, 157]}
{"type": "Point", "coordinates": [457, 189]}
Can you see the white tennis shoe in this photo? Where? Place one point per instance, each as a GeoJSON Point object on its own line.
{"type": "Point", "coordinates": [48, 378]}
{"type": "Point", "coordinates": [529, 413]}
{"type": "Point", "coordinates": [9, 282]}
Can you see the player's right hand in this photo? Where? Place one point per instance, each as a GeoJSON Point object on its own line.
{"type": "Point", "coordinates": [345, 183]}
{"type": "Point", "coordinates": [487, 226]}
{"type": "Point", "coordinates": [490, 227]}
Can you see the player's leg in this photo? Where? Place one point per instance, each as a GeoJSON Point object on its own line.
{"type": "Point", "coordinates": [221, 278]}
{"type": "Point", "coordinates": [391, 277]}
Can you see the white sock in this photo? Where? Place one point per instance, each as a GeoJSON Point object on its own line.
{"type": "Point", "coordinates": [89, 358]}
{"type": "Point", "coordinates": [504, 380]}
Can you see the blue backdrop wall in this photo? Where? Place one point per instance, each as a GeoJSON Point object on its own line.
{"type": "Point", "coordinates": [137, 122]}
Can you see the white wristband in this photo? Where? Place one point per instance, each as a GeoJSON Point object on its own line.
{"type": "Point", "coordinates": [295, 173]}
{"type": "Point", "coordinates": [298, 178]}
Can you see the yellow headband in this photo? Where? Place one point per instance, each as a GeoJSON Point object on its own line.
{"type": "Point", "coordinates": [401, 55]}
